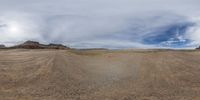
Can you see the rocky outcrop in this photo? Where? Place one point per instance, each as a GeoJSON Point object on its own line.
{"type": "Point", "coordinates": [2, 46]}
{"type": "Point", "coordinates": [30, 45]}
{"type": "Point", "coordinates": [56, 46]}
{"type": "Point", "coordinates": [198, 48]}
{"type": "Point", "coordinates": [37, 45]}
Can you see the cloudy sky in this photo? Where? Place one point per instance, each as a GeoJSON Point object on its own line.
{"type": "Point", "coordinates": [102, 23]}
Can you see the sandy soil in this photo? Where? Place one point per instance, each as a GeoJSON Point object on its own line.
{"type": "Point", "coordinates": [99, 75]}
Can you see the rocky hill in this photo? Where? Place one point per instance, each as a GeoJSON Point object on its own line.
{"type": "Point", "coordinates": [37, 45]}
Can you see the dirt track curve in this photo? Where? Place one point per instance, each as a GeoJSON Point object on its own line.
{"type": "Point", "coordinates": [99, 75]}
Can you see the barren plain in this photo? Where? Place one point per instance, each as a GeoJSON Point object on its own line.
{"type": "Point", "coordinates": [27, 74]}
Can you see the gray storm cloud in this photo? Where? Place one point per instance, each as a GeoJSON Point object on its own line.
{"type": "Point", "coordinates": [94, 23]}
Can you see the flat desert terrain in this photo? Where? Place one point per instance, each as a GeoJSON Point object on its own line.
{"type": "Point", "coordinates": [99, 75]}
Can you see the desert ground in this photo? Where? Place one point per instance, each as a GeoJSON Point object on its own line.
{"type": "Point", "coordinates": [27, 74]}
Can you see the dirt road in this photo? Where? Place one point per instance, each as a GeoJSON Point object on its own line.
{"type": "Point", "coordinates": [99, 75]}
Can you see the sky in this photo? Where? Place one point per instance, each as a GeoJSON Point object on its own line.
{"type": "Point", "coordinates": [116, 24]}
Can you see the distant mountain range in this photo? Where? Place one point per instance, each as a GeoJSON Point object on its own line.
{"type": "Point", "coordinates": [37, 45]}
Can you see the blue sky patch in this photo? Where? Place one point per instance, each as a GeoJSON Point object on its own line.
{"type": "Point", "coordinates": [170, 36]}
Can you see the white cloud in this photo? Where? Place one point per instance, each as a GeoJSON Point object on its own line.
{"type": "Point", "coordinates": [77, 21]}
{"type": "Point", "coordinates": [111, 44]}
{"type": "Point", "coordinates": [193, 33]}
{"type": "Point", "coordinates": [18, 27]}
